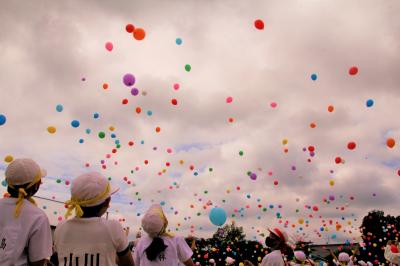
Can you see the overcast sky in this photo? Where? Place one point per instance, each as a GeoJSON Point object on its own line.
{"type": "Point", "coordinates": [53, 52]}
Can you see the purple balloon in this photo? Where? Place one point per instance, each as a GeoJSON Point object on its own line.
{"type": "Point", "coordinates": [134, 91]}
{"type": "Point", "coordinates": [253, 176]}
{"type": "Point", "coordinates": [129, 79]}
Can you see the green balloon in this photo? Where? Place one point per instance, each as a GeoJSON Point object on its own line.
{"type": "Point", "coordinates": [188, 68]}
{"type": "Point", "coordinates": [102, 134]}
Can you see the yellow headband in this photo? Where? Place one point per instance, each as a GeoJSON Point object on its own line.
{"type": "Point", "coordinates": [76, 204]}
{"type": "Point", "coordinates": [164, 228]}
{"type": "Point", "coordinates": [22, 194]}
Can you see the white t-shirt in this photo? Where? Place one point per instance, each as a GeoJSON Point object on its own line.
{"type": "Point", "coordinates": [177, 251]}
{"type": "Point", "coordinates": [274, 258]}
{"type": "Point", "coordinates": [89, 241]}
{"type": "Point", "coordinates": [25, 237]}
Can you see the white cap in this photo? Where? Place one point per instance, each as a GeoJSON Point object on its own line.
{"type": "Point", "coordinates": [211, 261]}
{"type": "Point", "coordinates": [23, 171]}
{"type": "Point", "coordinates": [89, 186]}
{"type": "Point", "coordinates": [344, 257]}
{"type": "Point", "coordinates": [299, 255]}
{"type": "Point", "coordinates": [362, 263]}
{"type": "Point", "coordinates": [229, 260]}
{"type": "Point", "coordinates": [154, 221]}
{"type": "Point", "coordinates": [280, 233]}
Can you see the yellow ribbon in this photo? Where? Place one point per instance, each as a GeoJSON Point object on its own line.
{"type": "Point", "coordinates": [76, 204]}
{"type": "Point", "coordinates": [164, 228]}
{"type": "Point", "coordinates": [22, 194]}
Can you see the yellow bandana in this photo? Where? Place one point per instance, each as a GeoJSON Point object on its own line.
{"type": "Point", "coordinates": [23, 195]}
{"type": "Point", "coordinates": [76, 204]}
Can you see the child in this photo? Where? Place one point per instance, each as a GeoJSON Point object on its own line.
{"type": "Point", "coordinates": [276, 241]}
{"type": "Point", "coordinates": [158, 247]}
{"type": "Point", "coordinates": [25, 234]}
{"type": "Point", "coordinates": [89, 239]}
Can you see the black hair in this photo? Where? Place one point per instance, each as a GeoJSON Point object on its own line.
{"type": "Point", "coordinates": [155, 248]}
{"type": "Point", "coordinates": [14, 191]}
{"type": "Point", "coordinates": [93, 211]}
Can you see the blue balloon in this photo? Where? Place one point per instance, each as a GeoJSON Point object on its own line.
{"type": "Point", "coordinates": [369, 102]}
{"type": "Point", "coordinates": [96, 115]}
{"type": "Point", "coordinates": [3, 119]}
{"type": "Point", "coordinates": [75, 123]}
{"type": "Point", "coordinates": [217, 216]}
{"type": "Point", "coordinates": [59, 108]}
{"type": "Point", "coordinates": [314, 76]}
{"type": "Point", "coordinates": [178, 41]}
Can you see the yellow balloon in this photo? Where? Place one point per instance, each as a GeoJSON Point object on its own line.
{"type": "Point", "coordinates": [331, 183]}
{"type": "Point", "coordinates": [284, 141]}
{"type": "Point", "coordinates": [241, 264]}
{"type": "Point", "coordinates": [181, 161]}
{"type": "Point", "coordinates": [8, 159]}
{"type": "Point", "coordinates": [51, 129]}
{"type": "Point", "coordinates": [301, 221]}
{"type": "Point", "coordinates": [111, 128]}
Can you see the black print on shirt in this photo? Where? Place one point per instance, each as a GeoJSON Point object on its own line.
{"type": "Point", "coordinates": [161, 257]}
{"type": "Point", "coordinates": [3, 244]}
{"type": "Point", "coordinates": [90, 260]}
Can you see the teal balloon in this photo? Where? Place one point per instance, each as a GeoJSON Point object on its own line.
{"type": "Point", "coordinates": [218, 216]}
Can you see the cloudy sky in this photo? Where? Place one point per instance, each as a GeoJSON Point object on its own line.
{"type": "Point", "coordinates": [53, 52]}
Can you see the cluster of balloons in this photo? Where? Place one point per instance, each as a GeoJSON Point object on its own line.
{"type": "Point", "coordinates": [138, 33]}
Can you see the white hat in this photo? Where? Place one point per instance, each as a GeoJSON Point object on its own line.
{"type": "Point", "coordinates": [91, 189]}
{"type": "Point", "coordinates": [229, 260]}
{"type": "Point", "coordinates": [154, 221]}
{"type": "Point", "coordinates": [280, 233]}
{"type": "Point", "coordinates": [211, 261]}
{"type": "Point", "coordinates": [299, 255]}
{"type": "Point", "coordinates": [344, 257]}
{"type": "Point", "coordinates": [23, 171]}
{"type": "Point", "coordinates": [362, 263]}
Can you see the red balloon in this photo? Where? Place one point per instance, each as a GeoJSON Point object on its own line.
{"type": "Point", "coordinates": [129, 28]}
{"type": "Point", "coordinates": [398, 172]}
{"type": "Point", "coordinates": [351, 145]}
{"type": "Point", "coordinates": [259, 24]}
{"type": "Point", "coordinates": [338, 160]}
{"type": "Point", "coordinates": [174, 101]}
{"type": "Point", "coordinates": [353, 70]}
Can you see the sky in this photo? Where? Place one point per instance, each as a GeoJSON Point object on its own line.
{"type": "Point", "coordinates": [281, 79]}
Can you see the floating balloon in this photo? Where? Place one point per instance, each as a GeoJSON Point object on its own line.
{"type": "Point", "coordinates": [176, 86]}
{"type": "Point", "coordinates": [229, 99]}
{"type": "Point", "coordinates": [369, 103]}
{"type": "Point", "coordinates": [3, 119]}
{"type": "Point", "coordinates": [174, 102]}
{"type": "Point", "coordinates": [9, 159]}
{"type": "Point", "coordinates": [59, 108]}
{"type": "Point", "coordinates": [75, 123]}
{"type": "Point", "coordinates": [134, 91]}
{"type": "Point", "coordinates": [259, 24]}
{"type": "Point", "coordinates": [129, 28]}
{"type": "Point", "coordinates": [105, 86]}
{"type": "Point", "coordinates": [273, 104]}
{"type": "Point", "coordinates": [314, 77]}
{"type": "Point", "coordinates": [351, 145]}
{"type": "Point", "coordinates": [51, 129]}
{"type": "Point", "coordinates": [353, 70]}
{"type": "Point", "coordinates": [129, 79]}
{"type": "Point", "coordinates": [109, 46]}
{"type": "Point", "coordinates": [331, 108]}
{"type": "Point", "coordinates": [217, 216]}
{"type": "Point", "coordinates": [338, 160]}
{"type": "Point", "coordinates": [390, 142]}
{"type": "Point", "coordinates": [178, 41]}
{"type": "Point", "coordinates": [139, 34]}
{"type": "Point", "coordinates": [188, 68]}
{"type": "Point", "coordinates": [102, 134]}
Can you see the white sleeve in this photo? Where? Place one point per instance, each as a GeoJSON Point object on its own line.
{"type": "Point", "coordinates": [184, 251]}
{"type": "Point", "coordinates": [40, 244]}
{"type": "Point", "coordinates": [264, 261]}
{"type": "Point", "coordinates": [118, 236]}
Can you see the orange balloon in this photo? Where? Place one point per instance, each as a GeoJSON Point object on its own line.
{"type": "Point", "coordinates": [105, 86]}
{"type": "Point", "coordinates": [139, 34]}
{"type": "Point", "coordinates": [330, 108]}
{"type": "Point", "coordinates": [313, 125]}
{"type": "Point", "coordinates": [390, 142]}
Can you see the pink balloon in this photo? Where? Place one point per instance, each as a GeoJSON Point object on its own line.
{"type": "Point", "coordinates": [274, 104]}
{"type": "Point", "coordinates": [109, 46]}
{"type": "Point", "coordinates": [229, 99]}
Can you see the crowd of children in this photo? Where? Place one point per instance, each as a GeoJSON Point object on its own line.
{"type": "Point", "coordinates": [87, 239]}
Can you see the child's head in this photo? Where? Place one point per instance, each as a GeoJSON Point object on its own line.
{"type": "Point", "coordinates": [154, 222]}
{"type": "Point", "coordinates": [90, 195]}
{"type": "Point", "coordinates": [277, 239]}
{"type": "Point", "coordinates": [23, 177]}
